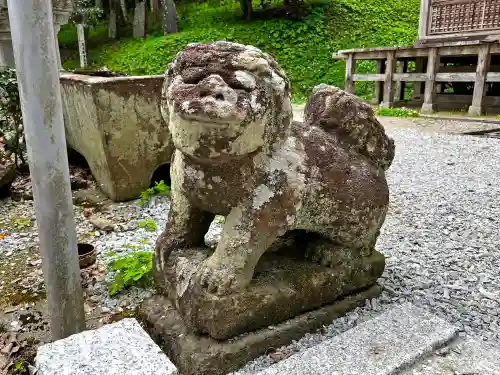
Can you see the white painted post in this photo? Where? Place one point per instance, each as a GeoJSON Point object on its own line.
{"type": "Point", "coordinates": [82, 46]}
{"type": "Point", "coordinates": [38, 76]}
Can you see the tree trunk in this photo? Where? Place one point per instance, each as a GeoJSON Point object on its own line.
{"type": "Point", "coordinates": [116, 21]}
{"type": "Point", "coordinates": [246, 8]}
{"type": "Point", "coordinates": [112, 26]}
{"type": "Point", "coordinates": [156, 10]}
{"type": "Point", "coordinates": [124, 10]}
{"type": "Point", "coordinates": [169, 17]}
{"type": "Point", "coordinates": [112, 29]}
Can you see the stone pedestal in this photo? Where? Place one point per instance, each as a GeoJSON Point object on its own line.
{"type": "Point", "coordinates": [288, 297]}
{"type": "Point", "coordinates": [61, 12]}
{"type": "Point", "coordinates": [283, 286]}
{"type": "Point", "coordinates": [195, 354]}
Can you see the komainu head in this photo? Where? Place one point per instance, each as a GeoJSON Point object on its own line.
{"type": "Point", "coordinates": [225, 100]}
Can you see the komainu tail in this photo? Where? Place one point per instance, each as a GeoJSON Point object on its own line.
{"type": "Point", "coordinates": [352, 121]}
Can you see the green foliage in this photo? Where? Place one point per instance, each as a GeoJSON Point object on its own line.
{"type": "Point", "coordinates": [397, 112]}
{"type": "Point", "coordinates": [11, 121]}
{"type": "Point", "coordinates": [134, 269]}
{"type": "Point", "coordinates": [85, 12]}
{"type": "Point", "coordinates": [20, 223]}
{"type": "Point", "coordinates": [220, 219]}
{"type": "Point", "coordinates": [18, 368]}
{"type": "Point", "coordinates": [159, 188]}
{"type": "Point", "coordinates": [148, 224]}
{"type": "Point", "coordinates": [302, 47]}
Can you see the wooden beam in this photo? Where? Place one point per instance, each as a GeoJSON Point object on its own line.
{"type": "Point", "coordinates": [379, 86]}
{"type": "Point", "coordinates": [422, 77]}
{"type": "Point", "coordinates": [430, 84]}
{"type": "Point", "coordinates": [413, 53]}
{"type": "Point", "coordinates": [410, 77]}
{"type": "Point", "coordinates": [455, 77]}
{"type": "Point", "coordinates": [369, 77]}
{"type": "Point", "coordinates": [483, 62]}
{"type": "Point", "coordinates": [350, 68]}
{"type": "Point", "coordinates": [493, 77]}
{"type": "Point", "coordinates": [417, 86]}
{"type": "Point", "coordinates": [390, 65]}
{"type": "Point", "coordinates": [400, 85]}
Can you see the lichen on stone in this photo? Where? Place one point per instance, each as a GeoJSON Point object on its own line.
{"type": "Point", "coordinates": [240, 155]}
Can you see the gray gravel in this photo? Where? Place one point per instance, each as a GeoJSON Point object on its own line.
{"type": "Point", "coordinates": [126, 238]}
{"type": "Point", "coordinates": [441, 236]}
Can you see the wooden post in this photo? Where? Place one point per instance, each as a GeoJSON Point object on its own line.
{"type": "Point", "coordinates": [483, 64]}
{"type": "Point", "coordinates": [390, 65]}
{"type": "Point", "coordinates": [379, 86]}
{"type": "Point", "coordinates": [350, 68]}
{"type": "Point", "coordinates": [417, 86]}
{"type": "Point", "coordinates": [429, 105]}
{"type": "Point", "coordinates": [400, 85]}
{"type": "Point", "coordinates": [424, 19]}
{"type": "Point", "coordinates": [37, 72]}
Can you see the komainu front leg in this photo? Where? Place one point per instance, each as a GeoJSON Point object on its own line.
{"type": "Point", "coordinates": [186, 227]}
{"type": "Point", "coordinates": [247, 234]}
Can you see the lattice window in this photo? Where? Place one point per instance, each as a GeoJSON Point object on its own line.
{"type": "Point", "coordinates": [454, 16]}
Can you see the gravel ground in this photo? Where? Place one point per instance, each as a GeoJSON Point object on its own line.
{"type": "Point", "coordinates": [441, 236]}
{"type": "Point", "coordinates": [18, 230]}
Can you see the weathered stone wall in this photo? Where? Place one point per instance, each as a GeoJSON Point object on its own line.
{"type": "Point", "coordinates": [116, 124]}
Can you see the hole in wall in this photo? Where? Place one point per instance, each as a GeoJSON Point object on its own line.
{"type": "Point", "coordinates": [161, 173]}
{"type": "Point", "coordinates": [79, 170]}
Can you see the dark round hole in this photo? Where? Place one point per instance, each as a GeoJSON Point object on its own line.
{"type": "Point", "coordinates": [219, 97]}
{"type": "Point", "coordinates": [84, 248]}
{"type": "Point", "coordinates": [162, 173]}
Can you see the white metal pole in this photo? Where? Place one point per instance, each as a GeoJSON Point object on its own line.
{"type": "Point", "coordinates": [33, 36]}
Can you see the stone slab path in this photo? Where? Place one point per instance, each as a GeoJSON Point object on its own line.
{"type": "Point", "coordinates": [404, 340]}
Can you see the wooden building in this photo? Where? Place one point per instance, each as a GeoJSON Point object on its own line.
{"type": "Point", "coordinates": [454, 64]}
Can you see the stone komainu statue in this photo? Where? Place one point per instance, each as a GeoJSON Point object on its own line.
{"type": "Point", "coordinates": [239, 154]}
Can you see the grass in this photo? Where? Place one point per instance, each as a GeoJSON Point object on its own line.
{"type": "Point", "coordinates": [302, 47]}
{"type": "Point", "coordinates": [133, 269]}
{"type": "Point", "coordinates": [397, 112]}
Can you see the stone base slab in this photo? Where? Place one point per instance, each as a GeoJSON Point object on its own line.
{"type": "Point", "coordinates": [385, 345]}
{"type": "Point", "coordinates": [119, 348]}
{"type": "Point", "coordinates": [195, 354]}
{"type": "Point", "coordinates": [462, 357]}
{"type": "Point", "coordinates": [283, 287]}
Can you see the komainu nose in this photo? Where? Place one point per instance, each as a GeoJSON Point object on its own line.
{"type": "Point", "coordinates": [215, 87]}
